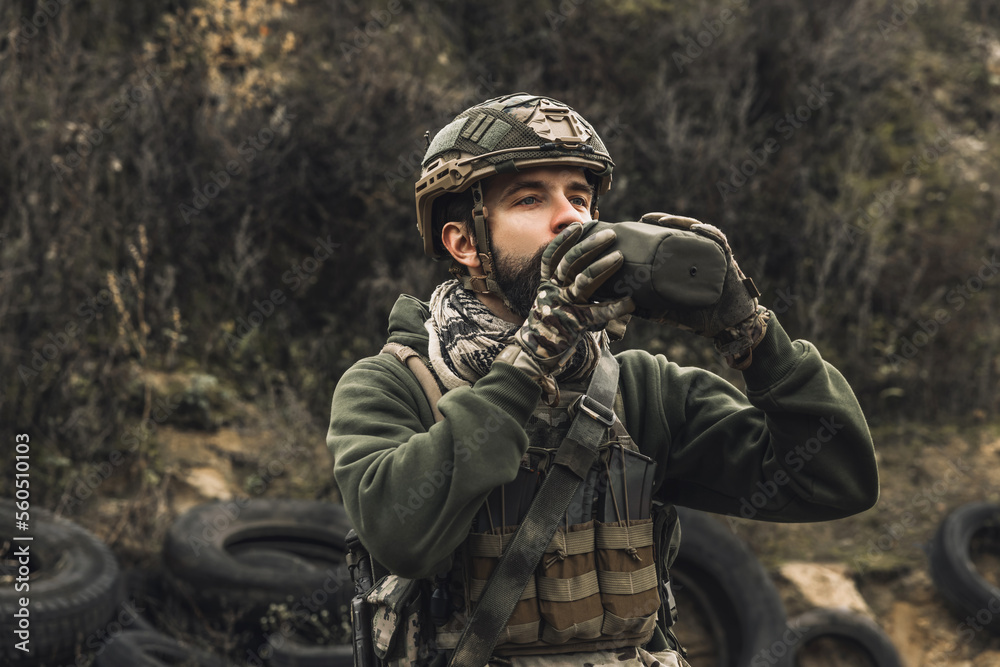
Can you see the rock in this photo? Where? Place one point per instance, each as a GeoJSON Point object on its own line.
{"type": "Point", "coordinates": [208, 483]}
{"type": "Point", "coordinates": [826, 585]}
{"type": "Point", "coordinates": [987, 659]}
{"type": "Point", "coordinates": [903, 628]}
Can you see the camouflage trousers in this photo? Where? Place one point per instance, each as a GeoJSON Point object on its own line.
{"type": "Point", "coordinates": [624, 657]}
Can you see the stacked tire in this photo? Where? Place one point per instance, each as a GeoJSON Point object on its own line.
{"type": "Point", "coordinates": [252, 558]}
{"type": "Point", "coordinates": [722, 577]}
{"type": "Point", "coordinates": [718, 574]}
{"type": "Point", "coordinates": [247, 559]}
{"type": "Point", "coordinates": [955, 575]}
{"type": "Point", "coordinates": [73, 586]}
{"type": "Point", "coordinates": [865, 640]}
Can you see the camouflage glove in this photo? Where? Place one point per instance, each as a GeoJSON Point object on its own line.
{"type": "Point", "coordinates": [736, 322]}
{"type": "Point", "coordinates": [562, 312]}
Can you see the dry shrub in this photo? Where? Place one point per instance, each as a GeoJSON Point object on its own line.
{"type": "Point", "coordinates": [345, 103]}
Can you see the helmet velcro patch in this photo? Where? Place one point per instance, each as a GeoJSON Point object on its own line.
{"type": "Point", "coordinates": [445, 139]}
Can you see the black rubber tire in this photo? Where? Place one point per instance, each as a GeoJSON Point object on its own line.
{"type": "Point", "coordinates": [74, 591]}
{"type": "Point", "coordinates": [951, 565]}
{"type": "Point", "coordinates": [149, 648]}
{"type": "Point", "coordinates": [222, 557]}
{"type": "Point", "coordinates": [292, 653]}
{"type": "Point", "coordinates": [844, 624]}
{"type": "Point", "coordinates": [737, 595]}
{"type": "Point", "coordinates": [710, 649]}
{"type": "Point", "coordinates": [138, 591]}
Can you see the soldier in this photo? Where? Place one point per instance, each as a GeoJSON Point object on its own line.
{"type": "Point", "coordinates": [437, 485]}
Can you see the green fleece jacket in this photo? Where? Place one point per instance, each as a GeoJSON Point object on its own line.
{"type": "Point", "coordinates": [795, 448]}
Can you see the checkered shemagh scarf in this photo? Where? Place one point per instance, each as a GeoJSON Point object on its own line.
{"type": "Point", "coordinates": [465, 338]}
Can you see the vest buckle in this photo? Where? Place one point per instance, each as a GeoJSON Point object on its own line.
{"type": "Point", "coordinates": [595, 410]}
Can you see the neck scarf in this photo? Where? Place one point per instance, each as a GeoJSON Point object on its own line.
{"type": "Point", "coordinates": [465, 338]}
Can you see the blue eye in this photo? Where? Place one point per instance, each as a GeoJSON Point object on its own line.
{"type": "Point", "coordinates": [528, 200]}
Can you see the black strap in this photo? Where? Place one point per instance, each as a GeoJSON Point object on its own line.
{"type": "Point", "coordinates": [516, 566]}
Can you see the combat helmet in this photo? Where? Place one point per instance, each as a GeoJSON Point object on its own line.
{"type": "Point", "coordinates": [502, 135]}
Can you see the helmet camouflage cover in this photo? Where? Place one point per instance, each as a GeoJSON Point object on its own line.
{"type": "Point", "coordinates": [502, 135]}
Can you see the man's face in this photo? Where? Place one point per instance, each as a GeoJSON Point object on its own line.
{"type": "Point", "coordinates": [526, 210]}
{"type": "Point", "coordinates": [519, 279]}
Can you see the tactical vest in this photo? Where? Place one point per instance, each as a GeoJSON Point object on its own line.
{"type": "Point", "coordinates": [603, 577]}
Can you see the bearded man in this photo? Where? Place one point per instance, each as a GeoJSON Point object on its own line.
{"type": "Point", "coordinates": [513, 481]}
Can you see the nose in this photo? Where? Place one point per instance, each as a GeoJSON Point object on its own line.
{"type": "Point", "coordinates": [565, 214]}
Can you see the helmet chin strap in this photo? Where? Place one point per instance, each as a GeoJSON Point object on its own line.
{"type": "Point", "coordinates": [485, 284]}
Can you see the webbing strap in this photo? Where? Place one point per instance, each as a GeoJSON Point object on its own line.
{"type": "Point", "coordinates": [572, 543]}
{"type": "Point", "coordinates": [412, 360]}
{"type": "Point", "coordinates": [517, 564]}
{"type": "Point", "coordinates": [623, 537]}
{"type": "Point", "coordinates": [616, 625]}
{"type": "Point", "coordinates": [484, 545]}
{"type": "Point", "coordinates": [590, 628]}
{"type": "Point", "coordinates": [568, 590]}
{"type": "Point", "coordinates": [476, 587]}
{"type": "Point", "coordinates": [628, 583]}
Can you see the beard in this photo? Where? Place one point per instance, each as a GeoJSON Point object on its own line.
{"type": "Point", "coordinates": [519, 279]}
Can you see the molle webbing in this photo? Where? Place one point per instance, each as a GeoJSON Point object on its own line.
{"type": "Point", "coordinates": [514, 569]}
{"type": "Point", "coordinates": [596, 585]}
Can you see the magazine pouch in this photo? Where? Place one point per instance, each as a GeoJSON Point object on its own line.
{"type": "Point", "coordinates": [568, 595]}
{"type": "Point", "coordinates": [626, 568]}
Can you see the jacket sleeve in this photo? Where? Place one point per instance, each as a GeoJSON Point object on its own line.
{"type": "Point", "coordinates": [410, 486]}
{"type": "Point", "coordinates": [795, 448]}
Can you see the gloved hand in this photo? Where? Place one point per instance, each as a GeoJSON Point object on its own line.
{"type": "Point", "coordinates": [562, 312]}
{"type": "Point", "coordinates": [736, 322]}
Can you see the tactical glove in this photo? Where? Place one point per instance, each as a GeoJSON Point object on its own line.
{"type": "Point", "coordinates": [562, 311]}
{"type": "Point", "coordinates": [736, 322]}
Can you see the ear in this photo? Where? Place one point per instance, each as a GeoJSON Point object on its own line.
{"type": "Point", "coordinates": [459, 244]}
{"type": "Point", "coordinates": [597, 214]}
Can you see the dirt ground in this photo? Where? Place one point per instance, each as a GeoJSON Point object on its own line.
{"type": "Point", "coordinates": [874, 563]}
{"type": "Point", "coordinates": [924, 474]}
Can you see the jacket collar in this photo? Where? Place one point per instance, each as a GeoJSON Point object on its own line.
{"type": "Point", "coordinates": [406, 323]}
